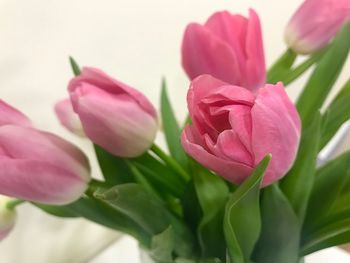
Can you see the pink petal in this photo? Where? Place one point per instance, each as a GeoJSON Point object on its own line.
{"type": "Point", "coordinates": [232, 171]}
{"type": "Point", "coordinates": [205, 53]}
{"type": "Point", "coordinates": [231, 29]}
{"type": "Point", "coordinates": [115, 122]}
{"type": "Point", "coordinates": [307, 34]}
{"type": "Point", "coordinates": [98, 78]}
{"type": "Point", "coordinates": [241, 122]}
{"type": "Point", "coordinates": [68, 118]}
{"type": "Point", "coordinates": [9, 115]}
{"type": "Point", "coordinates": [29, 144]}
{"type": "Point", "coordinates": [255, 61]}
{"type": "Point", "coordinates": [39, 181]}
{"type": "Point", "coordinates": [275, 130]}
{"type": "Point", "coordinates": [230, 148]}
{"type": "Point", "coordinates": [208, 90]}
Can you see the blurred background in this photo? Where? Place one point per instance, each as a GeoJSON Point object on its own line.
{"type": "Point", "coordinates": [135, 41]}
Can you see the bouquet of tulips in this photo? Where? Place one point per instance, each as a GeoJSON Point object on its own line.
{"type": "Point", "coordinates": [239, 180]}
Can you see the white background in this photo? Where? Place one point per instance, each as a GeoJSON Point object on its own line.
{"type": "Point", "coordinates": [135, 41]}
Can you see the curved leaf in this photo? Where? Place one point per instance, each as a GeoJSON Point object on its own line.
{"type": "Point", "coordinates": [242, 221]}
{"type": "Point", "coordinates": [212, 194]}
{"type": "Point", "coordinates": [280, 231]}
{"type": "Point", "coordinates": [336, 233]}
{"type": "Point", "coordinates": [172, 130]}
{"type": "Point", "coordinates": [338, 112]}
{"type": "Point", "coordinates": [149, 212]}
{"type": "Point", "coordinates": [330, 179]}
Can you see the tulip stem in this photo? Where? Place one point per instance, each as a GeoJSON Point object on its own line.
{"type": "Point", "coordinates": [170, 162]}
{"type": "Point", "coordinates": [96, 184]}
{"type": "Point", "coordinates": [300, 69]}
{"type": "Point", "coordinates": [11, 205]}
{"type": "Point", "coordinates": [141, 179]}
{"type": "Point", "coordinates": [282, 66]}
{"type": "Point", "coordinates": [284, 71]}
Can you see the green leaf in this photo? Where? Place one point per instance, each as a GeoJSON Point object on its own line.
{"type": "Point", "coordinates": [284, 71]}
{"type": "Point", "coordinates": [242, 216]}
{"type": "Point", "coordinates": [324, 76]}
{"type": "Point", "coordinates": [342, 203]}
{"type": "Point", "coordinates": [115, 170]}
{"type": "Point", "coordinates": [142, 180]}
{"type": "Point", "coordinates": [171, 129]}
{"type": "Point", "coordinates": [183, 260]}
{"type": "Point", "coordinates": [59, 211]}
{"type": "Point", "coordinates": [212, 194]}
{"type": "Point", "coordinates": [298, 182]}
{"type": "Point", "coordinates": [147, 211]}
{"type": "Point", "coordinates": [302, 67]}
{"type": "Point", "coordinates": [75, 66]}
{"type": "Point", "coordinates": [162, 246]}
{"type": "Point", "coordinates": [337, 113]}
{"type": "Point", "coordinates": [170, 162]}
{"type": "Point", "coordinates": [103, 214]}
{"type": "Point", "coordinates": [336, 233]}
{"type": "Point", "coordinates": [280, 231]}
{"type": "Point", "coordinates": [330, 179]}
{"type": "Point", "coordinates": [132, 200]}
{"type": "Point", "coordinates": [192, 212]}
{"type": "Point", "coordinates": [164, 179]}
{"type": "Point", "coordinates": [282, 66]}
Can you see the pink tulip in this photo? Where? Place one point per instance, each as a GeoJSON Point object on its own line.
{"type": "Point", "coordinates": [315, 23]}
{"type": "Point", "coordinates": [233, 129]}
{"type": "Point", "coordinates": [39, 166]}
{"type": "Point", "coordinates": [7, 218]}
{"type": "Point", "coordinates": [228, 47]}
{"type": "Point", "coordinates": [68, 118]}
{"type": "Point", "coordinates": [115, 116]}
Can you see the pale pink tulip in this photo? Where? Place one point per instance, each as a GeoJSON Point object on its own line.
{"type": "Point", "coordinates": [7, 218]}
{"type": "Point", "coordinates": [39, 166]}
{"type": "Point", "coordinates": [233, 129]}
{"type": "Point", "coordinates": [228, 47]}
{"type": "Point", "coordinates": [68, 118]}
{"type": "Point", "coordinates": [315, 23]}
{"type": "Point", "coordinates": [115, 116]}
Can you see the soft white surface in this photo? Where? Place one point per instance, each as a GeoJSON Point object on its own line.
{"type": "Point", "coordinates": [137, 42]}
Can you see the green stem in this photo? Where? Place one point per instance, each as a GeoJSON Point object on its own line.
{"type": "Point", "coordinates": [296, 72]}
{"type": "Point", "coordinates": [96, 184]}
{"type": "Point", "coordinates": [170, 162]}
{"type": "Point", "coordinates": [141, 179]}
{"type": "Point", "coordinates": [281, 67]}
{"type": "Point", "coordinates": [11, 205]}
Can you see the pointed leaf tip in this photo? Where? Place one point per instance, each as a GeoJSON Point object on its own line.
{"type": "Point", "coordinates": [74, 65]}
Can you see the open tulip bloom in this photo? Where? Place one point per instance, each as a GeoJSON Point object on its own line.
{"type": "Point", "coordinates": [239, 182]}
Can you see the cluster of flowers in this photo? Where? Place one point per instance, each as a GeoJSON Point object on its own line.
{"type": "Point", "coordinates": [236, 118]}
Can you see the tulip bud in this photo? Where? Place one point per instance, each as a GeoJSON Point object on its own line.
{"type": "Point", "coordinates": [68, 118]}
{"type": "Point", "coordinates": [233, 129]}
{"type": "Point", "coordinates": [228, 47]}
{"type": "Point", "coordinates": [7, 217]}
{"type": "Point", "coordinates": [115, 116]}
{"type": "Point", "coordinates": [315, 23]}
{"type": "Point", "coordinates": [39, 166]}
